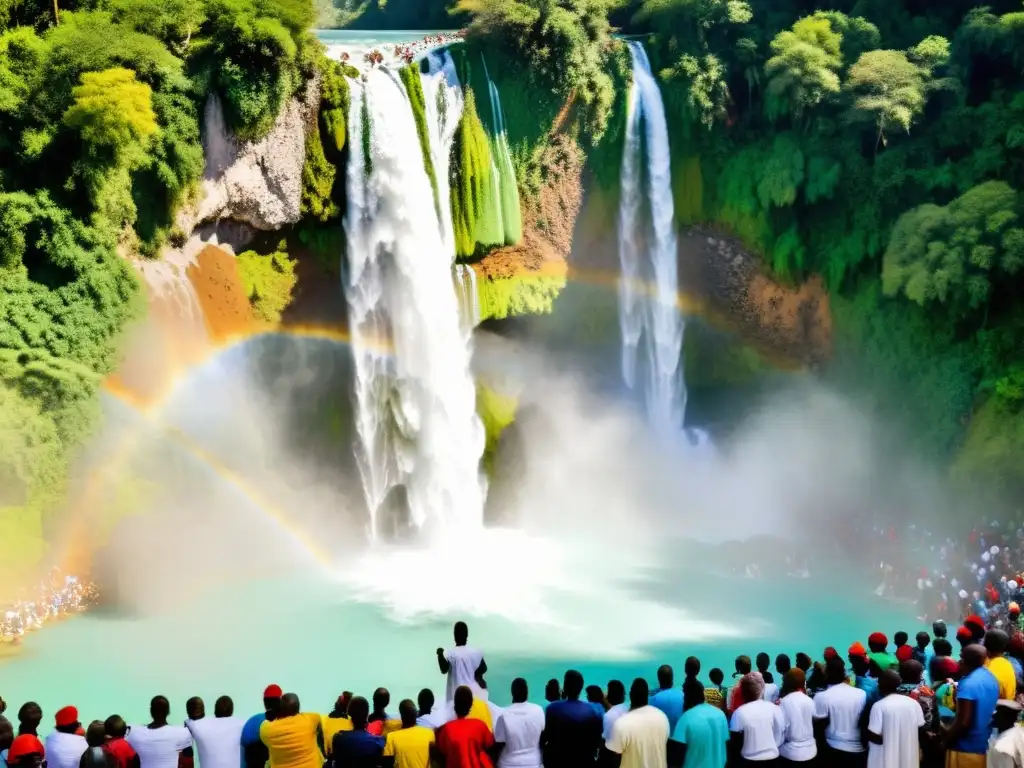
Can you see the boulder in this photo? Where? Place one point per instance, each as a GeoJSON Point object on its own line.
{"type": "Point", "coordinates": [256, 182]}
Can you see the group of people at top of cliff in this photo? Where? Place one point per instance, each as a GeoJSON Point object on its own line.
{"type": "Point", "coordinates": [56, 596]}
{"type": "Point", "coordinates": [877, 708]}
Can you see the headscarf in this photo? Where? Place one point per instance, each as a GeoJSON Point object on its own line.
{"type": "Point", "coordinates": [753, 680]}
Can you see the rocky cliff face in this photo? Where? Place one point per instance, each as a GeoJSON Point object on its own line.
{"type": "Point", "coordinates": [255, 182]}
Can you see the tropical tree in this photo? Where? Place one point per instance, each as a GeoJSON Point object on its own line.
{"type": "Point", "coordinates": [953, 254]}
{"type": "Point", "coordinates": [887, 89]}
{"type": "Point", "coordinates": [804, 67]}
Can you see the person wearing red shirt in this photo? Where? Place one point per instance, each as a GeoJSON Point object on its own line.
{"type": "Point", "coordinates": [463, 743]}
{"type": "Point", "coordinates": [123, 753]}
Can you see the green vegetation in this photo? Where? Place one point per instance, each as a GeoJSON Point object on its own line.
{"type": "Point", "coordinates": [388, 14]}
{"type": "Point", "coordinates": [476, 209]}
{"type": "Point", "coordinates": [414, 87]}
{"type": "Point", "coordinates": [269, 280]}
{"type": "Point", "coordinates": [323, 175]}
{"type": "Point", "coordinates": [99, 147]}
{"type": "Point", "coordinates": [497, 412]}
{"type": "Point", "coordinates": [521, 294]}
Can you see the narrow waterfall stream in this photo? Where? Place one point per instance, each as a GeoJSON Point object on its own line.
{"type": "Point", "coordinates": [651, 323]}
{"type": "Point", "coordinates": [415, 396]}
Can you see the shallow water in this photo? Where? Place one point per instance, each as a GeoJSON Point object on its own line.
{"type": "Point", "coordinates": [305, 633]}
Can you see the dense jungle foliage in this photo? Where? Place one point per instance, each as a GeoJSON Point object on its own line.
{"type": "Point", "coordinates": [100, 111]}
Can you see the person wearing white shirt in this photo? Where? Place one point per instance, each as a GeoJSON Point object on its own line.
{"type": "Point", "coordinates": [463, 664]}
{"type": "Point", "coordinates": [159, 744]}
{"type": "Point", "coordinates": [757, 726]}
{"type": "Point", "coordinates": [640, 737]}
{"type": "Point", "coordinates": [837, 711]}
{"type": "Point", "coordinates": [431, 715]}
{"type": "Point", "coordinates": [65, 744]}
{"type": "Point", "coordinates": [894, 726]}
{"type": "Point", "coordinates": [517, 730]}
{"type": "Point", "coordinates": [798, 745]}
{"type": "Point", "coordinates": [217, 739]}
{"type": "Point", "coordinates": [1006, 748]}
{"type": "Point", "coordinates": [617, 698]}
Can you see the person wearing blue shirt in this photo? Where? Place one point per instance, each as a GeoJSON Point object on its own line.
{"type": "Point", "coordinates": [700, 738]}
{"type": "Point", "coordinates": [861, 666]}
{"type": "Point", "coordinates": [976, 697]}
{"type": "Point", "coordinates": [668, 698]}
{"type": "Point", "coordinates": [254, 751]}
{"type": "Point", "coordinates": [572, 729]}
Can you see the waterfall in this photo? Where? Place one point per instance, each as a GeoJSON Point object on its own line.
{"type": "Point", "coordinates": [469, 300]}
{"type": "Point", "coordinates": [502, 170]}
{"type": "Point", "coordinates": [415, 396]}
{"type": "Point", "coordinates": [442, 93]}
{"type": "Point", "coordinates": [652, 326]}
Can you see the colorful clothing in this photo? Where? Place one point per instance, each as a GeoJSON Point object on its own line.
{"type": "Point", "coordinates": [410, 747]}
{"type": "Point", "coordinates": [464, 743]}
{"type": "Point", "coordinates": [292, 741]}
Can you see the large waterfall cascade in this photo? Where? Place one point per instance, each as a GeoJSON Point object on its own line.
{"type": "Point", "coordinates": [416, 414]}
{"type": "Point", "coordinates": [651, 323]}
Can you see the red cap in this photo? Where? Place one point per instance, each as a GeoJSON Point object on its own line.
{"type": "Point", "coordinates": [975, 620]}
{"type": "Point", "coordinates": [964, 633]}
{"type": "Point", "coordinates": [26, 744]}
{"type": "Point", "coordinates": [66, 716]}
{"type": "Point", "coordinates": [877, 638]}
{"type": "Point", "coordinates": [273, 692]}
{"type": "Point", "coordinates": [945, 666]}
{"type": "Point", "coordinates": [857, 650]}
{"type": "Point", "coordinates": [904, 653]}
{"type": "Point", "coordinates": [831, 653]}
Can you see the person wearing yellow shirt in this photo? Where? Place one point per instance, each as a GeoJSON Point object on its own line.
{"type": "Point", "coordinates": [291, 739]}
{"type": "Point", "coordinates": [996, 642]}
{"type": "Point", "coordinates": [408, 747]}
{"type": "Point", "coordinates": [336, 722]}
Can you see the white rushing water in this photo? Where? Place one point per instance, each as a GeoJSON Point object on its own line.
{"type": "Point", "coordinates": [415, 396]}
{"type": "Point", "coordinates": [652, 326]}
{"type": "Point", "coordinates": [469, 299]}
{"type": "Point", "coordinates": [442, 94]}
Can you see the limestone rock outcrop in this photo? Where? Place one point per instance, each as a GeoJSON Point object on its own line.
{"type": "Point", "coordinates": [255, 182]}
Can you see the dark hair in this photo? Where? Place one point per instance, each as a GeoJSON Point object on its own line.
{"type": "Point", "coordinates": [159, 707]}
{"type": "Point", "coordinates": [573, 685]}
{"type": "Point", "coordinates": [96, 734]}
{"type": "Point", "coordinates": [923, 638]}
{"type": "Point", "coordinates": [520, 691]}
{"type": "Point", "coordinates": [115, 727]}
{"type": "Point", "coordinates": [716, 676]}
{"type": "Point", "coordinates": [996, 641]}
{"type": "Point", "coordinates": [223, 707]}
{"type": "Point", "coordinates": [553, 690]}
{"type": "Point", "coordinates": [425, 700]}
{"type": "Point", "coordinates": [665, 676]}
{"type": "Point", "coordinates": [803, 661]}
{"type": "Point", "coordinates": [763, 661]}
{"type": "Point", "coordinates": [407, 711]}
{"type": "Point", "coordinates": [900, 638]}
{"type": "Point", "coordinates": [594, 694]}
{"type": "Point", "coordinates": [461, 630]}
{"type": "Point", "coordinates": [381, 698]}
{"type": "Point", "coordinates": [942, 647]}
{"type": "Point", "coordinates": [743, 665]}
{"type": "Point", "coordinates": [835, 671]}
{"type": "Point", "coordinates": [692, 666]}
{"type": "Point", "coordinates": [783, 664]}
{"type": "Point", "coordinates": [616, 692]}
{"type": "Point", "coordinates": [463, 700]}
{"type": "Point", "coordinates": [359, 712]}
{"type": "Point", "coordinates": [639, 693]}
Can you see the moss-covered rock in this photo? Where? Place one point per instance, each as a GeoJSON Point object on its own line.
{"type": "Point", "coordinates": [525, 293]}
{"type": "Point", "coordinates": [476, 208]}
{"type": "Point", "coordinates": [269, 280]}
{"type": "Point", "coordinates": [497, 412]}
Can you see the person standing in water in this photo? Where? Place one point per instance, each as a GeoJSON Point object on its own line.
{"type": "Point", "coordinates": [463, 664]}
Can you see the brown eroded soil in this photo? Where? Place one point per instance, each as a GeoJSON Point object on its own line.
{"type": "Point", "coordinates": [222, 295]}
{"type": "Point", "coordinates": [548, 220]}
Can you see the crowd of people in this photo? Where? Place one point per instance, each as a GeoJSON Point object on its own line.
{"type": "Point", "coordinates": [57, 596]}
{"type": "Point", "coordinates": [882, 706]}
